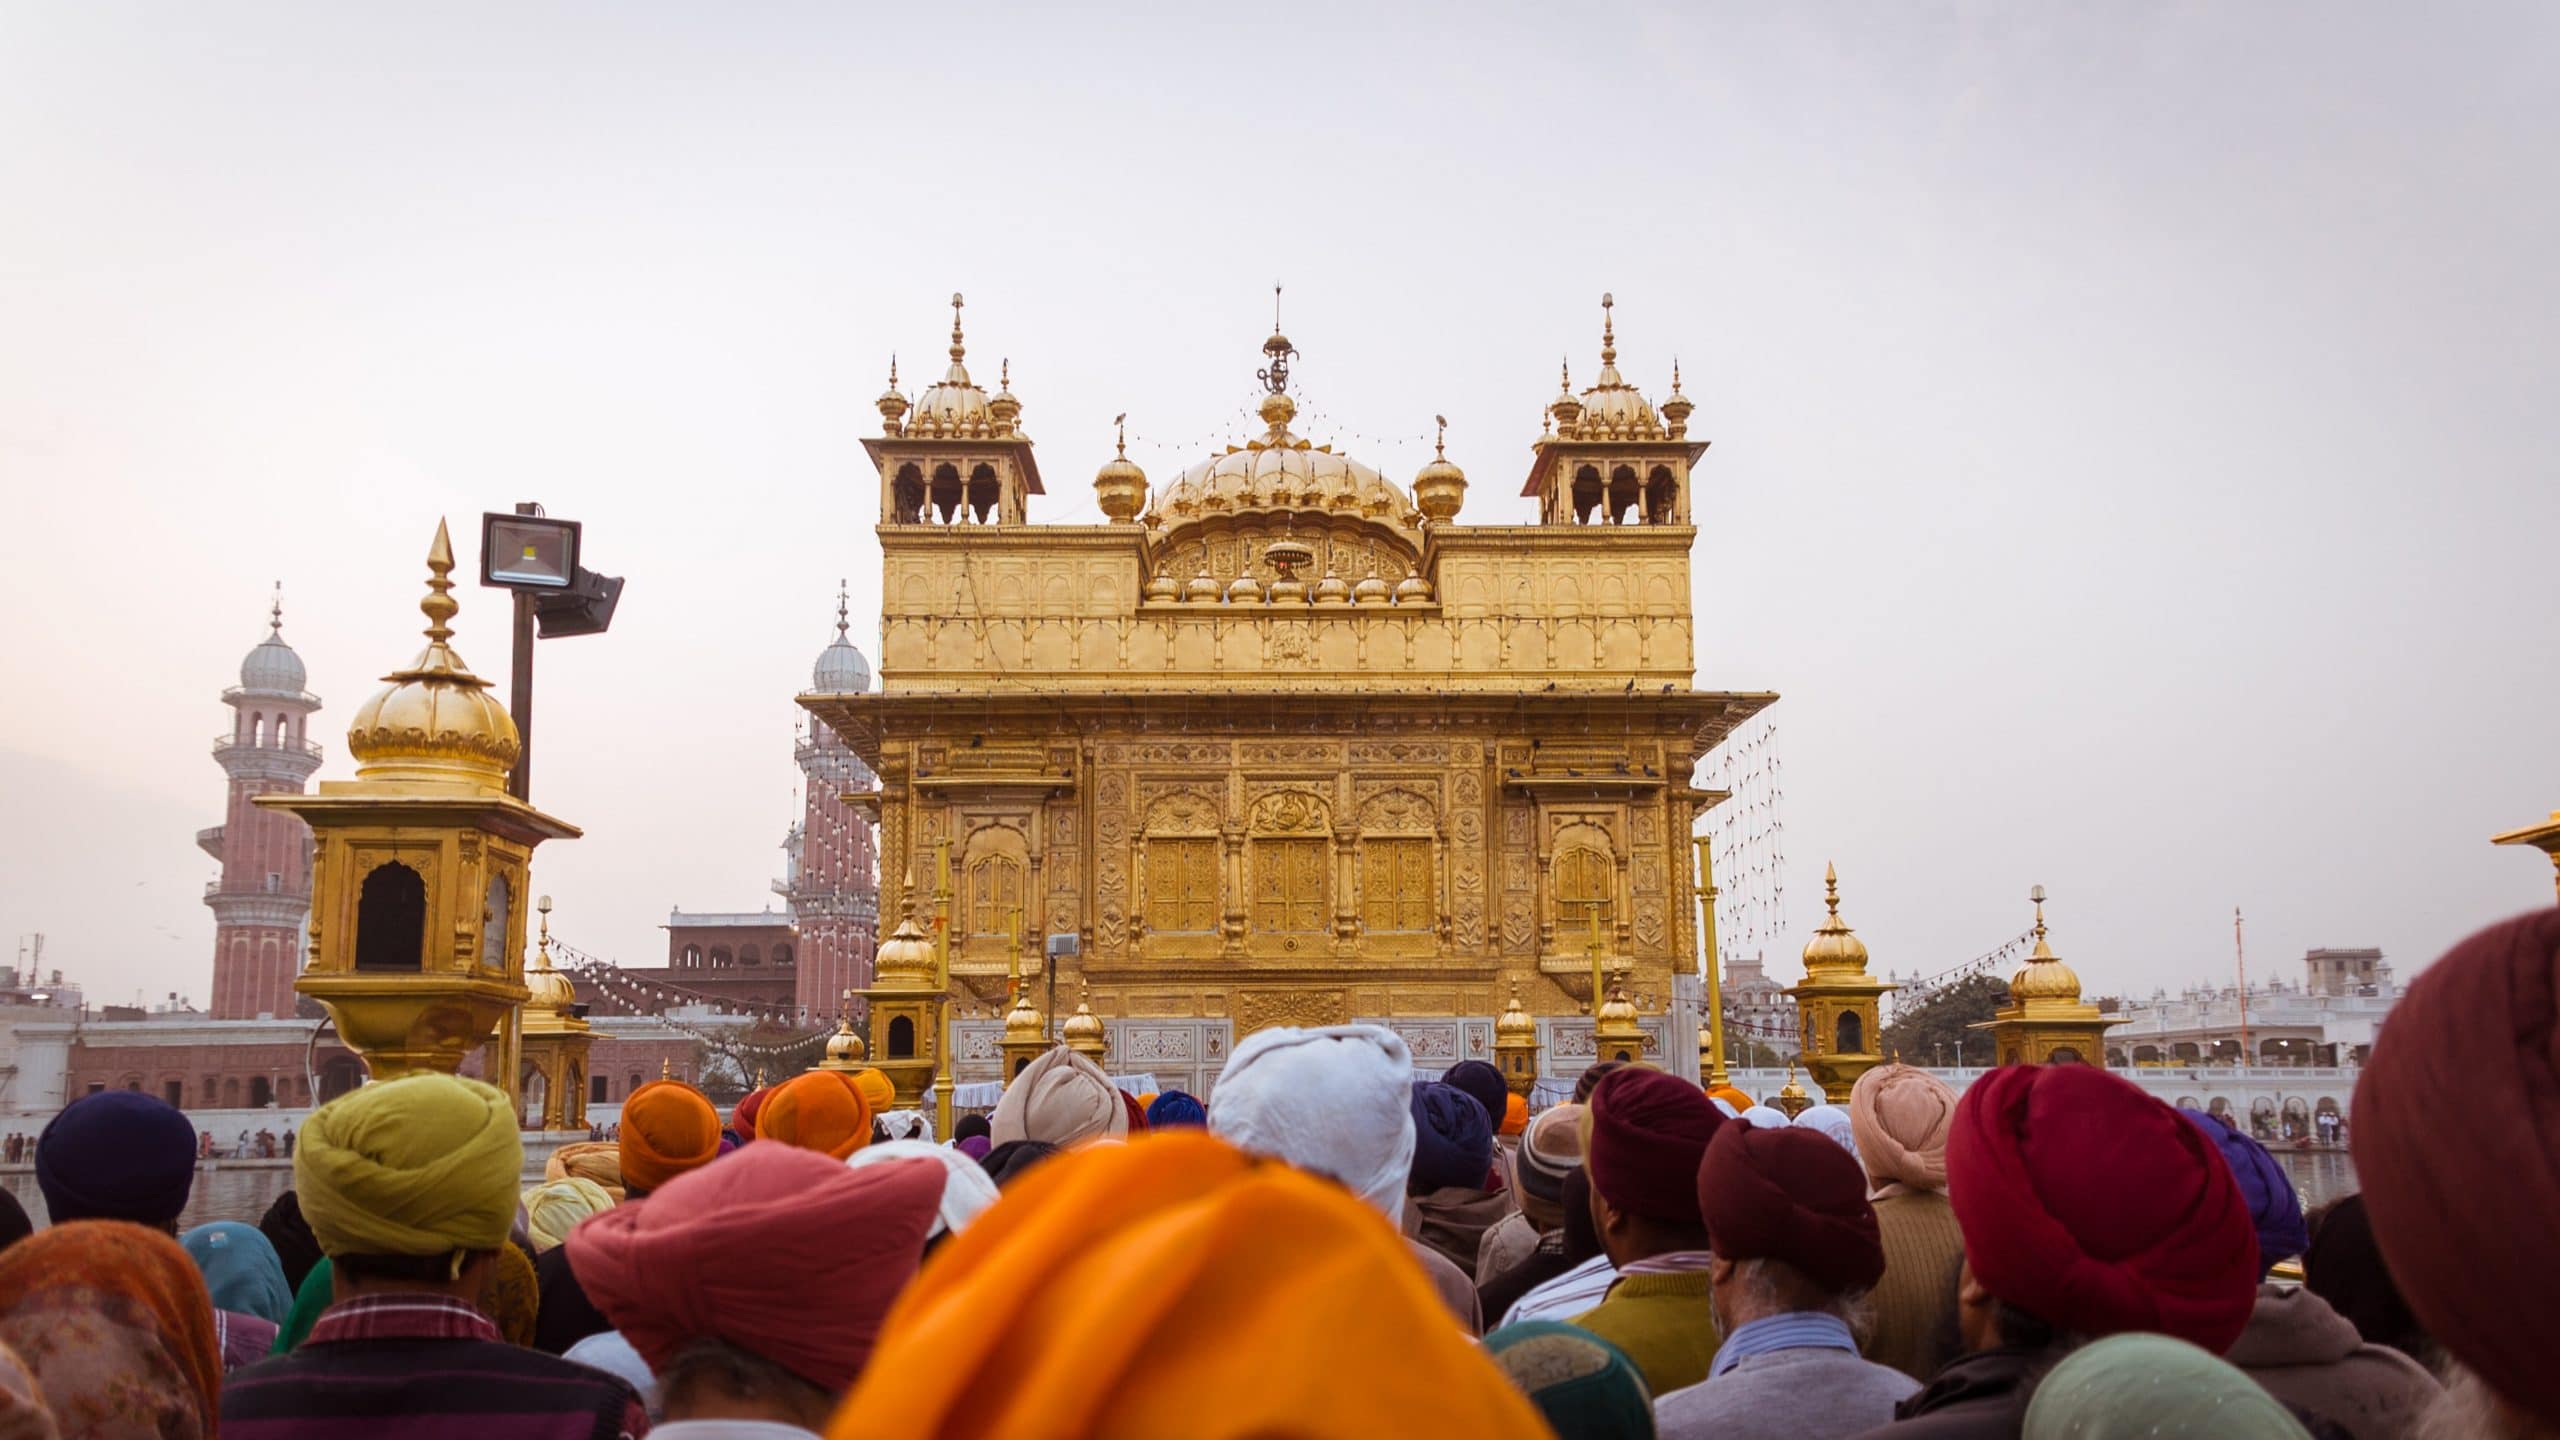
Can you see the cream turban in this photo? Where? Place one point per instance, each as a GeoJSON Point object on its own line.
{"type": "Point", "coordinates": [599, 1162]}
{"type": "Point", "coordinates": [553, 1208]}
{"type": "Point", "coordinates": [1062, 1098]}
{"type": "Point", "coordinates": [1337, 1101]}
{"type": "Point", "coordinates": [421, 1165]}
{"type": "Point", "coordinates": [967, 1188]}
{"type": "Point", "coordinates": [1899, 1114]}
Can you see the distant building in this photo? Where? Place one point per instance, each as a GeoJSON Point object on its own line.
{"type": "Point", "coordinates": [2330, 1019]}
{"type": "Point", "coordinates": [1757, 1007]}
{"type": "Point", "coordinates": [262, 902]}
{"type": "Point", "coordinates": [832, 880]}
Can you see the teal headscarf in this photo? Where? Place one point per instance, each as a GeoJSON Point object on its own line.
{"type": "Point", "coordinates": [2152, 1385]}
{"type": "Point", "coordinates": [241, 1269]}
{"type": "Point", "coordinates": [1586, 1387]}
{"type": "Point", "coordinates": [318, 1289]}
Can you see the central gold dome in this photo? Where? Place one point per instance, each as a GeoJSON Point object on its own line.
{"type": "Point", "coordinates": [437, 724]}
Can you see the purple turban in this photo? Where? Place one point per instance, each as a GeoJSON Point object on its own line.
{"type": "Point", "coordinates": [2275, 1211]}
{"type": "Point", "coordinates": [1452, 1139]}
{"type": "Point", "coordinates": [117, 1155]}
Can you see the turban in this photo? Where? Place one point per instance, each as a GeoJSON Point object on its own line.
{"type": "Point", "coordinates": [903, 1125]}
{"type": "Point", "coordinates": [1515, 1115]}
{"type": "Point", "coordinates": [878, 1090]}
{"type": "Point", "coordinates": [1586, 1387]}
{"type": "Point", "coordinates": [1591, 1076]}
{"type": "Point", "coordinates": [2457, 1141]}
{"type": "Point", "coordinates": [776, 1250]}
{"type": "Point", "coordinates": [2145, 1385]}
{"type": "Point", "coordinates": [420, 1165]}
{"type": "Point", "coordinates": [1452, 1139]}
{"type": "Point", "coordinates": [286, 1230]}
{"type": "Point", "coordinates": [598, 1162]}
{"type": "Point", "coordinates": [1062, 1098]}
{"type": "Point", "coordinates": [118, 1328]}
{"type": "Point", "coordinates": [1007, 1161]}
{"type": "Point", "coordinates": [241, 1270]}
{"type": "Point", "coordinates": [2344, 1267]}
{"type": "Point", "coordinates": [553, 1208]}
{"type": "Point", "coordinates": [1765, 1117]}
{"type": "Point", "coordinates": [1831, 1123]}
{"type": "Point", "coordinates": [1649, 1130]}
{"type": "Point", "coordinates": [1549, 1149]}
{"type": "Point", "coordinates": [1899, 1116]}
{"type": "Point", "coordinates": [1175, 1286]}
{"type": "Point", "coordinates": [822, 1110]}
{"type": "Point", "coordinates": [1735, 1098]}
{"type": "Point", "coordinates": [1173, 1107]}
{"type": "Point", "coordinates": [2094, 1208]}
{"type": "Point", "coordinates": [971, 1124]}
{"type": "Point", "coordinates": [668, 1127]}
{"type": "Point", "coordinates": [1135, 1113]}
{"type": "Point", "coordinates": [967, 1188]}
{"type": "Point", "coordinates": [1790, 1195]}
{"type": "Point", "coordinates": [511, 1296]}
{"type": "Point", "coordinates": [2275, 1211]}
{"type": "Point", "coordinates": [1336, 1100]}
{"type": "Point", "coordinates": [117, 1155]}
{"type": "Point", "coordinates": [976, 1147]}
{"type": "Point", "coordinates": [1481, 1082]}
{"type": "Point", "coordinates": [743, 1118]}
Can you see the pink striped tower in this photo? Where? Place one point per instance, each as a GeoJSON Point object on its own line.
{"type": "Point", "coordinates": [834, 886]}
{"type": "Point", "coordinates": [263, 900]}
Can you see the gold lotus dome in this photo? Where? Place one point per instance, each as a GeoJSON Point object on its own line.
{"type": "Point", "coordinates": [1332, 589]}
{"type": "Point", "coordinates": [1120, 487]}
{"type": "Point", "coordinates": [1617, 1012]}
{"type": "Point", "coordinates": [1022, 1023]}
{"type": "Point", "coordinates": [1244, 590]}
{"type": "Point", "coordinates": [1440, 487]}
{"type": "Point", "coordinates": [1203, 589]}
{"type": "Point", "coordinates": [1413, 589]}
{"type": "Point", "coordinates": [1514, 1023]}
{"type": "Point", "coordinates": [1834, 946]}
{"type": "Point", "coordinates": [893, 404]}
{"type": "Point", "coordinates": [1564, 409]}
{"type": "Point", "coordinates": [550, 990]}
{"type": "Point", "coordinates": [1003, 408]}
{"type": "Point", "coordinates": [845, 1047]}
{"type": "Point", "coordinates": [2044, 976]}
{"type": "Point", "coordinates": [1162, 586]}
{"type": "Point", "coordinates": [954, 407]}
{"type": "Point", "coordinates": [1676, 409]}
{"type": "Point", "coordinates": [437, 724]}
{"type": "Point", "coordinates": [907, 956]}
{"type": "Point", "coordinates": [1083, 1027]}
{"type": "Point", "coordinates": [1611, 408]}
{"type": "Point", "coordinates": [1371, 590]}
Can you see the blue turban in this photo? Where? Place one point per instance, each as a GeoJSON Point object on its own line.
{"type": "Point", "coordinates": [1175, 1108]}
{"type": "Point", "coordinates": [1481, 1083]}
{"type": "Point", "coordinates": [241, 1269]}
{"type": "Point", "coordinates": [2275, 1211]}
{"type": "Point", "coordinates": [117, 1155]}
{"type": "Point", "coordinates": [1452, 1139]}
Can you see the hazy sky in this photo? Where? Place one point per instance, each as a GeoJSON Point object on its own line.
{"type": "Point", "coordinates": [2133, 456]}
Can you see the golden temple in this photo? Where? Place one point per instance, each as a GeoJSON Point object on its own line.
{"type": "Point", "coordinates": [1281, 741]}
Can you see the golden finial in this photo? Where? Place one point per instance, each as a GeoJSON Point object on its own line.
{"type": "Point", "coordinates": [1004, 373]}
{"type": "Point", "coordinates": [1675, 374]}
{"type": "Point", "coordinates": [957, 348]}
{"type": "Point", "coordinates": [440, 606]}
{"type": "Point", "coordinates": [1120, 424]}
{"type": "Point", "coordinates": [666, 1068]}
{"type": "Point", "coordinates": [893, 369]}
{"type": "Point", "coordinates": [1608, 330]}
{"type": "Point", "coordinates": [1275, 307]}
{"type": "Point", "coordinates": [1831, 888]}
{"type": "Point", "coordinates": [1440, 442]}
{"type": "Point", "coordinates": [2043, 951]}
{"type": "Point", "coordinates": [544, 906]}
{"type": "Point", "coordinates": [761, 1082]}
{"type": "Point", "coordinates": [1564, 374]}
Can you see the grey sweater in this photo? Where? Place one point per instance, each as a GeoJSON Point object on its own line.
{"type": "Point", "coordinates": [1815, 1393]}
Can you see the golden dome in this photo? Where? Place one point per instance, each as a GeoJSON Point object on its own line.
{"type": "Point", "coordinates": [1022, 1024]}
{"type": "Point", "coordinates": [906, 957]}
{"type": "Point", "coordinates": [550, 989]}
{"type": "Point", "coordinates": [845, 1048]}
{"type": "Point", "coordinates": [1281, 474]}
{"type": "Point", "coordinates": [2044, 977]}
{"type": "Point", "coordinates": [1121, 489]}
{"type": "Point", "coordinates": [892, 403]}
{"type": "Point", "coordinates": [1203, 589]}
{"type": "Point", "coordinates": [1084, 1026]}
{"type": "Point", "coordinates": [1610, 409]}
{"type": "Point", "coordinates": [1440, 487]}
{"type": "Point", "coordinates": [1003, 408]}
{"type": "Point", "coordinates": [1833, 946]}
{"type": "Point", "coordinates": [1244, 590]}
{"type": "Point", "coordinates": [1413, 589]}
{"type": "Point", "coordinates": [437, 724]}
{"type": "Point", "coordinates": [955, 408]}
{"type": "Point", "coordinates": [1514, 1023]}
{"type": "Point", "coordinates": [1332, 589]}
{"type": "Point", "coordinates": [1371, 590]}
{"type": "Point", "coordinates": [1676, 409]}
{"type": "Point", "coordinates": [1564, 409]}
{"type": "Point", "coordinates": [1161, 586]}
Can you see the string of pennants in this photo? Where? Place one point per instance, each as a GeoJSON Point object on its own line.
{"type": "Point", "coordinates": [631, 991]}
{"type": "Point", "coordinates": [1914, 992]}
{"type": "Point", "coordinates": [1749, 841]}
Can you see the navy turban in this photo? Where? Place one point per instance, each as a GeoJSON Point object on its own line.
{"type": "Point", "coordinates": [117, 1155]}
{"type": "Point", "coordinates": [1173, 1107]}
{"type": "Point", "coordinates": [1452, 1139]}
{"type": "Point", "coordinates": [1483, 1084]}
{"type": "Point", "coordinates": [2275, 1211]}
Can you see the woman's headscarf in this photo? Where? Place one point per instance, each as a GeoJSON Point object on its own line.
{"type": "Point", "coordinates": [967, 1189]}
{"type": "Point", "coordinates": [241, 1269]}
{"type": "Point", "coordinates": [296, 1248]}
{"type": "Point", "coordinates": [117, 1327]}
{"type": "Point", "coordinates": [2143, 1385]}
{"type": "Point", "coordinates": [310, 1299]}
{"type": "Point", "coordinates": [23, 1415]}
{"type": "Point", "coordinates": [598, 1162]}
{"type": "Point", "coordinates": [512, 1295]}
{"type": "Point", "coordinates": [1899, 1115]}
{"type": "Point", "coordinates": [553, 1208]}
{"type": "Point", "coordinates": [1175, 1285]}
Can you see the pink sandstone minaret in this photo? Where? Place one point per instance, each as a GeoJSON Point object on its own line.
{"type": "Point", "coordinates": [264, 896]}
{"type": "Point", "coordinates": [834, 884]}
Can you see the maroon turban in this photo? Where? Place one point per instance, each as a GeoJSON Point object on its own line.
{"type": "Point", "coordinates": [777, 1250]}
{"type": "Point", "coordinates": [2457, 1140]}
{"type": "Point", "coordinates": [1791, 1195]}
{"type": "Point", "coordinates": [2094, 1208]}
{"type": "Point", "coordinates": [1649, 1130]}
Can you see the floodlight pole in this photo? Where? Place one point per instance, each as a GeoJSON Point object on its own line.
{"type": "Point", "coordinates": [520, 685]}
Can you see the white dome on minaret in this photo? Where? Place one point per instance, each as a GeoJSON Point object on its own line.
{"type": "Point", "coordinates": [841, 669]}
{"type": "Point", "coordinates": [271, 667]}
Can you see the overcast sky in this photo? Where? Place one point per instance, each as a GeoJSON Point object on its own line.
{"type": "Point", "coordinates": [2133, 447]}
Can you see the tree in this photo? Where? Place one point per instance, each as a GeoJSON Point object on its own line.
{"type": "Point", "coordinates": [1937, 1030]}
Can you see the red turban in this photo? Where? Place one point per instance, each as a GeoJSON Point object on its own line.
{"type": "Point", "coordinates": [2457, 1139]}
{"type": "Point", "coordinates": [1137, 1113]}
{"type": "Point", "coordinates": [823, 1110]}
{"type": "Point", "coordinates": [743, 1118]}
{"type": "Point", "coordinates": [2094, 1208]}
{"type": "Point", "coordinates": [779, 1251]}
{"type": "Point", "coordinates": [668, 1127]}
{"type": "Point", "coordinates": [1791, 1195]}
{"type": "Point", "coordinates": [1649, 1131]}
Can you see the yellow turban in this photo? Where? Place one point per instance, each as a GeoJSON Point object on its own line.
{"type": "Point", "coordinates": [1176, 1286]}
{"type": "Point", "coordinates": [877, 1090]}
{"type": "Point", "coordinates": [421, 1165]}
{"type": "Point", "coordinates": [599, 1161]}
{"type": "Point", "coordinates": [553, 1208]}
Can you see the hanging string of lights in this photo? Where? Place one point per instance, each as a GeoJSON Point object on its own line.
{"type": "Point", "coordinates": [1914, 992]}
{"type": "Point", "coordinates": [633, 992]}
{"type": "Point", "coordinates": [1749, 835]}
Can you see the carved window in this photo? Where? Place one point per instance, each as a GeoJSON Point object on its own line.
{"type": "Point", "coordinates": [1586, 890]}
{"type": "Point", "coordinates": [902, 1038]}
{"type": "Point", "coordinates": [391, 920]}
{"type": "Point", "coordinates": [1398, 891]}
{"type": "Point", "coordinates": [1182, 886]}
{"type": "Point", "coordinates": [1851, 1033]}
{"type": "Point", "coordinates": [993, 896]}
{"type": "Point", "coordinates": [1288, 886]}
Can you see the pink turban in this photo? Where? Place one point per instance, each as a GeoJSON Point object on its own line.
{"type": "Point", "coordinates": [778, 1250]}
{"type": "Point", "coordinates": [1899, 1115]}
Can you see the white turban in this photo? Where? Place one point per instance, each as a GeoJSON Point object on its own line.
{"type": "Point", "coordinates": [1337, 1101]}
{"type": "Point", "coordinates": [1833, 1123]}
{"type": "Point", "coordinates": [1766, 1117]}
{"type": "Point", "coordinates": [967, 1189]}
{"type": "Point", "coordinates": [904, 1125]}
{"type": "Point", "coordinates": [1060, 1097]}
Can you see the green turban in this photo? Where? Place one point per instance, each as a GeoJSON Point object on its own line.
{"type": "Point", "coordinates": [421, 1165]}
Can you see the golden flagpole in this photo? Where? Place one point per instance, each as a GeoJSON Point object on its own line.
{"type": "Point", "coordinates": [1714, 967]}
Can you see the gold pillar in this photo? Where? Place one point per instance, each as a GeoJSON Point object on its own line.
{"type": "Point", "coordinates": [1836, 1002]}
{"type": "Point", "coordinates": [1711, 1051]}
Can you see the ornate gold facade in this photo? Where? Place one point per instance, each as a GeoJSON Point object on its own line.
{"type": "Point", "coordinates": [1281, 742]}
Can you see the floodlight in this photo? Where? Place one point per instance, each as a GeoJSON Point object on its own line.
{"type": "Point", "coordinates": [528, 552]}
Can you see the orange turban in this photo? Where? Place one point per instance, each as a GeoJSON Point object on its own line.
{"type": "Point", "coordinates": [822, 1111]}
{"type": "Point", "coordinates": [1515, 1115]}
{"type": "Point", "coordinates": [1729, 1095]}
{"type": "Point", "coordinates": [668, 1127]}
{"type": "Point", "coordinates": [1175, 1286]}
{"type": "Point", "coordinates": [599, 1161]}
{"type": "Point", "coordinates": [878, 1091]}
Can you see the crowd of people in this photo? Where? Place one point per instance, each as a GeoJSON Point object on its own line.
{"type": "Point", "coordinates": [1333, 1247]}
